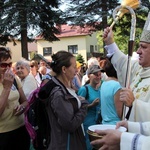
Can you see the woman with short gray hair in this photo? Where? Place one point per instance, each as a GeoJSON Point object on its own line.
{"type": "Point", "coordinates": [28, 81]}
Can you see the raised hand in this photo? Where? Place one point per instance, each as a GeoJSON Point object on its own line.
{"type": "Point", "coordinates": [7, 79]}
{"type": "Point", "coordinates": [108, 36]}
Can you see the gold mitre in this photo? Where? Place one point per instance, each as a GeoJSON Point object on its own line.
{"type": "Point", "coordinates": [145, 37]}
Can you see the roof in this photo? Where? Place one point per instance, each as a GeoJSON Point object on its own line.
{"type": "Point", "coordinates": [72, 30]}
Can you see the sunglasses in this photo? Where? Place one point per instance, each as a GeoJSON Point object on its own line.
{"type": "Point", "coordinates": [5, 65]}
{"type": "Point", "coordinates": [31, 66]}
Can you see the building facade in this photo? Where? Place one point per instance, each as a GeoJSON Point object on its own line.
{"type": "Point", "coordinates": [72, 39]}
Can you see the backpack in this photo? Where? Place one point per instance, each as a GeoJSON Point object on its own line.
{"type": "Point", "coordinates": [36, 118]}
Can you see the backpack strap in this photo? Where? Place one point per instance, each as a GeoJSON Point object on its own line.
{"type": "Point", "coordinates": [68, 142]}
{"type": "Point", "coordinates": [87, 92]}
{"type": "Point", "coordinates": [46, 89]}
{"type": "Point", "coordinates": [40, 76]}
{"type": "Point", "coordinates": [15, 83]}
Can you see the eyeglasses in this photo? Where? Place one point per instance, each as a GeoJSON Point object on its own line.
{"type": "Point", "coordinates": [31, 66]}
{"type": "Point", "coordinates": [5, 65]}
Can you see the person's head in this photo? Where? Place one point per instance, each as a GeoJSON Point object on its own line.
{"type": "Point", "coordinates": [144, 46]}
{"type": "Point", "coordinates": [42, 63]}
{"type": "Point", "coordinates": [94, 74]}
{"type": "Point", "coordinates": [144, 54]}
{"type": "Point", "coordinates": [109, 69]}
{"type": "Point", "coordinates": [5, 59]}
{"type": "Point", "coordinates": [64, 64]}
{"type": "Point", "coordinates": [22, 68]}
{"type": "Point", "coordinates": [34, 66]}
{"type": "Point", "coordinates": [92, 61]}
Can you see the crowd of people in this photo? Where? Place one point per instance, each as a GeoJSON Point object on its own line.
{"type": "Point", "coordinates": [80, 99]}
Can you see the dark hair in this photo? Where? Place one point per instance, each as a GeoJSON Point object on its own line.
{"type": "Point", "coordinates": [5, 53]}
{"type": "Point", "coordinates": [110, 70]}
{"type": "Point", "coordinates": [60, 59]}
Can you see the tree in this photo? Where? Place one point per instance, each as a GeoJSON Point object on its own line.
{"type": "Point", "coordinates": [80, 58]}
{"type": "Point", "coordinates": [25, 19]}
{"type": "Point", "coordinates": [122, 29]}
{"type": "Point", "coordinates": [90, 12]}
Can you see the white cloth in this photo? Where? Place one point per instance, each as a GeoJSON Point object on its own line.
{"type": "Point", "coordinates": [29, 85]}
{"type": "Point", "coordinates": [73, 93]}
{"type": "Point", "coordinates": [48, 70]}
{"type": "Point", "coordinates": [138, 138]}
{"type": "Point", "coordinates": [84, 79]}
{"type": "Point", "coordinates": [38, 79]}
{"type": "Point", "coordinates": [140, 83]}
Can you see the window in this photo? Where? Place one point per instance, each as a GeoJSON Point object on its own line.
{"type": "Point", "coordinates": [95, 47]}
{"type": "Point", "coordinates": [47, 51]}
{"type": "Point", "coordinates": [73, 49]}
{"type": "Point", "coordinates": [91, 48]}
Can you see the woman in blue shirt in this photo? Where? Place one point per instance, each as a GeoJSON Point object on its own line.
{"type": "Point", "coordinates": [91, 92]}
{"type": "Point", "coordinates": [111, 106]}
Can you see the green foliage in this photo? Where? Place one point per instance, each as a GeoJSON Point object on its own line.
{"type": "Point", "coordinates": [80, 58]}
{"type": "Point", "coordinates": [122, 30]}
{"type": "Point", "coordinates": [40, 18]}
{"type": "Point", "coordinates": [32, 54]}
{"type": "Point", "coordinates": [100, 41]}
{"type": "Point", "coordinates": [26, 19]}
{"type": "Point", "coordinates": [91, 12]}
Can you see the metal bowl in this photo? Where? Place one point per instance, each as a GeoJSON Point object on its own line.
{"type": "Point", "coordinates": [94, 136]}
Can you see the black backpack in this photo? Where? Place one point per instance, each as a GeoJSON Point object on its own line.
{"type": "Point", "coordinates": [36, 117]}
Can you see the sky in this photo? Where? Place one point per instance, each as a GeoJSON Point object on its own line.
{"type": "Point", "coordinates": [64, 6]}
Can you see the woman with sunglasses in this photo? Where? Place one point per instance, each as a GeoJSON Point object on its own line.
{"type": "Point", "coordinates": [13, 134]}
{"type": "Point", "coordinates": [34, 71]}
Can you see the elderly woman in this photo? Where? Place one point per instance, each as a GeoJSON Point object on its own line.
{"type": "Point", "coordinates": [28, 81]}
{"type": "Point", "coordinates": [13, 134]}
